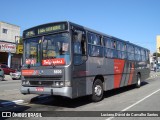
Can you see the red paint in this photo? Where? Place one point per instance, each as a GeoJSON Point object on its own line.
{"type": "Point", "coordinates": [118, 71]}
{"type": "Point", "coordinates": [27, 72]}
{"type": "Point", "coordinates": [57, 61]}
{"type": "Point", "coordinates": [39, 89]}
{"type": "Point", "coordinates": [131, 74]}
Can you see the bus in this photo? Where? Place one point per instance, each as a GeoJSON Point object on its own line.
{"type": "Point", "coordinates": [70, 60]}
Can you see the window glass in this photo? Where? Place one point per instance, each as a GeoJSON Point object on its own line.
{"type": "Point", "coordinates": [124, 56]}
{"type": "Point", "coordinates": [4, 30]}
{"type": "Point", "coordinates": [55, 46]}
{"type": "Point", "coordinates": [107, 42]}
{"type": "Point", "coordinates": [79, 46]}
{"type": "Point", "coordinates": [142, 52]}
{"type": "Point", "coordinates": [32, 51]}
{"type": "Point", "coordinates": [113, 44]}
{"type": "Point", "coordinates": [95, 50]}
{"type": "Point", "coordinates": [94, 39]}
{"type": "Point", "coordinates": [137, 57]}
{"type": "Point", "coordinates": [147, 55]}
{"type": "Point", "coordinates": [137, 50]}
{"type": "Point", "coordinates": [143, 55]}
{"type": "Point", "coordinates": [130, 52]}
{"type": "Point", "coordinates": [119, 45]}
{"type": "Point", "coordinates": [130, 56]}
{"type": "Point", "coordinates": [130, 49]}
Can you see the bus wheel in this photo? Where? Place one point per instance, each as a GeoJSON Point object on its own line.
{"type": "Point", "coordinates": [138, 84]}
{"type": "Point", "coordinates": [97, 91]}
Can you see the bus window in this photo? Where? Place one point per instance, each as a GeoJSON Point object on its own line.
{"type": "Point", "coordinates": [107, 42]}
{"type": "Point", "coordinates": [94, 39]}
{"type": "Point", "coordinates": [143, 55]}
{"type": "Point", "coordinates": [130, 52]}
{"type": "Point", "coordinates": [79, 47]}
{"type": "Point", "coordinates": [137, 54]}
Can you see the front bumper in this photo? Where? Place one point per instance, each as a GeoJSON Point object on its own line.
{"type": "Point", "coordinates": [64, 91]}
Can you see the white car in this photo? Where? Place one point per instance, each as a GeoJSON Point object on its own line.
{"type": "Point", "coordinates": [16, 75]}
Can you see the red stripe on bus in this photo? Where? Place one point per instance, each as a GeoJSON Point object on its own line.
{"type": "Point", "coordinates": [118, 72]}
{"type": "Point", "coordinates": [27, 72]}
{"type": "Point", "coordinates": [131, 74]}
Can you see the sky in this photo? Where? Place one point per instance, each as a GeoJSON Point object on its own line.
{"type": "Point", "coordinates": [137, 21]}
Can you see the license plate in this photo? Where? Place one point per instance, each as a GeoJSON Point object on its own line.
{"type": "Point", "coordinates": [39, 89]}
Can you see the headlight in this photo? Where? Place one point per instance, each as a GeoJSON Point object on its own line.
{"type": "Point", "coordinates": [58, 83]}
{"type": "Point", "coordinates": [61, 83]}
{"type": "Point", "coordinates": [25, 82]}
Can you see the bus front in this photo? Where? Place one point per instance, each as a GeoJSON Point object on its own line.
{"type": "Point", "coordinates": [47, 60]}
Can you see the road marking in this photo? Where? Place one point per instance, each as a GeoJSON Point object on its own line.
{"type": "Point", "coordinates": [110, 118]}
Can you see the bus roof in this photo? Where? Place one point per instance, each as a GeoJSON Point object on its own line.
{"type": "Point", "coordinates": [87, 29]}
{"type": "Point", "coordinates": [106, 35]}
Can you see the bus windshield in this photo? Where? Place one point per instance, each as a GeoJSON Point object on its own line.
{"type": "Point", "coordinates": [32, 51]}
{"type": "Point", "coordinates": [56, 49]}
{"type": "Point", "coordinates": [48, 50]}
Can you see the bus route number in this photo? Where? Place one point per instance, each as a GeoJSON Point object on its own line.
{"type": "Point", "coordinates": [57, 71]}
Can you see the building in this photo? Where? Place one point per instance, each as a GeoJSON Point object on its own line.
{"type": "Point", "coordinates": [9, 34]}
{"type": "Point", "coordinates": [158, 44]}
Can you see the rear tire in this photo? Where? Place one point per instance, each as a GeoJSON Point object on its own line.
{"type": "Point", "coordinates": [138, 84]}
{"type": "Point", "coordinates": [97, 91]}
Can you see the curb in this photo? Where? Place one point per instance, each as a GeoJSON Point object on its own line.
{"type": "Point", "coordinates": [15, 102]}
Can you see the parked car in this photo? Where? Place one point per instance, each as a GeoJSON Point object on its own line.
{"type": "Point", "coordinates": [6, 69]}
{"type": "Point", "coordinates": [16, 75]}
{"type": "Point", "coordinates": [1, 74]}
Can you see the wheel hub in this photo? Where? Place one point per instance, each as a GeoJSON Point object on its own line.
{"type": "Point", "coordinates": [98, 90]}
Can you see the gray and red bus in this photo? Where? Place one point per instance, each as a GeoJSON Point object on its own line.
{"type": "Point", "coordinates": [70, 60]}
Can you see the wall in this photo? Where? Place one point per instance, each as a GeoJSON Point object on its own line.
{"type": "Point", "coordinates": [158, 44]}
{"type": "Point", "coordinates": [12, 31]}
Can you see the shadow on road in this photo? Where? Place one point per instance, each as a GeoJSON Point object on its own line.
{"type": "Point", "coordinates": [62, 102]}
{"type": "Point", "coordinates": [8, 107]}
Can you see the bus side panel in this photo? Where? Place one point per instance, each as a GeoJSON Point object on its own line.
{"type": "Point", "coordinates": [128, 74]}
{"type": "Point", "coordinates": [124, 76]}
{"type": "Point", "coordinates": [108, 68]}
{"type": "Point", "coordinates": [79, 80]}
{"type": "Point", "coordinates": [118, 72]}
{"type": "Point", "coordinates": [100, 66]}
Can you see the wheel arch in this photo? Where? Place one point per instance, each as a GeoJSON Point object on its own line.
{"type": "Point", "coordinates": [99, 77]}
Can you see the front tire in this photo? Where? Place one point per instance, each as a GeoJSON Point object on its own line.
{"type": "Point", "coordinates": [97, 90]}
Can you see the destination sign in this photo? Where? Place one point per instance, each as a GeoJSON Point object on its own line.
{"type": "Point", "coordinates": [44, 29]}
{"type": "Point", "coordinates": [51, 28]}
{"type": "Point", "coordinates": [30, 33]}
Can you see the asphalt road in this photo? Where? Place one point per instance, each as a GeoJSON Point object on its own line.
{"type": "Point", "coordinates": [10, 91]}
{"type": "Point", "coordinates": [124, 99]}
